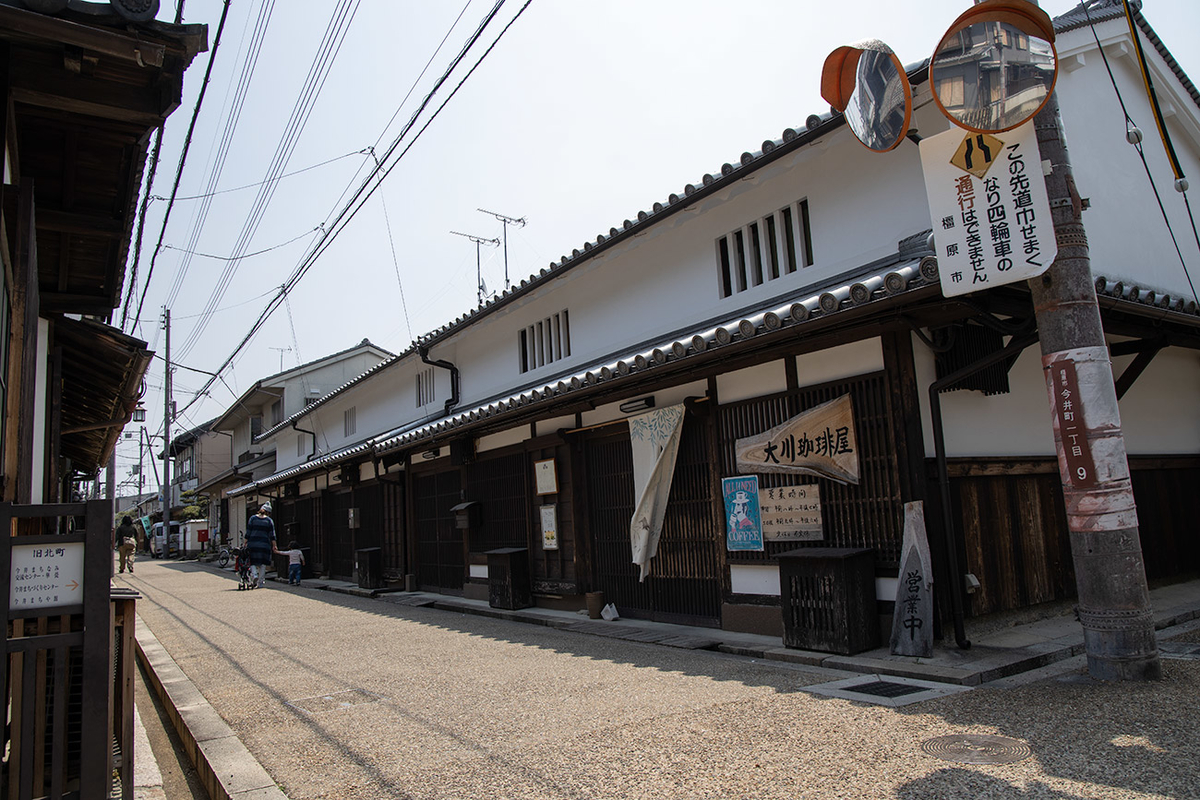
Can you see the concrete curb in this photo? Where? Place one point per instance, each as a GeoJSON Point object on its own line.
{"type": "Point", "coordinates": [227, 769]}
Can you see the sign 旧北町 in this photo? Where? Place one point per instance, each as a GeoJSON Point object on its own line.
{"type": "Point", "coordinates": [819, 441]}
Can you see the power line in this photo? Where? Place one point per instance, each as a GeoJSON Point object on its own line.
{"type": "Point", "coordinates": [260, 183]}
{"type": "Point", "coordinates": [1134, 136]}
{"type": "Point", "coordinates": [244, 255]}
{"type": "Point", "coordinates": [318, 72]}
{"type": "Point", "coordinates": [241, 83]}
{"type": "Point", "coordinates": [376, 176]}
{"type": "Point", "coordinates": [187, 143]}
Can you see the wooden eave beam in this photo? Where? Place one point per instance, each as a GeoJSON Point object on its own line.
{"type": "Point", "coordinates": [125, 104]}
{"type": "Point", "coordinates": [94, 305]}
{"type": "Point", "coordinates": [1134, 371]}
{"type": "Point", "coordinates": [105, 226]}
{"type": "Point", "coordinates": [1137, 346]}
{"type": "Point", "coordinates": [109, 43]}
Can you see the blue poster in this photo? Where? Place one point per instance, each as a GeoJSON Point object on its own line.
{"type": "Point", "coordinates": [743, 519]}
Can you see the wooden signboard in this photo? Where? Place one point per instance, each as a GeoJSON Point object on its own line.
{"type": "Point", "coordinates": [819, 441]}
{"type": "Point", "coordinates": [792, 513]}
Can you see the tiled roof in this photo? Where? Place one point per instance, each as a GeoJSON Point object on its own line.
{"type": "Point", "coordinates": [886, 281]}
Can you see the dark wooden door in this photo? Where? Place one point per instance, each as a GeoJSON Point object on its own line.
{"type": "Point", "coordinates": [498, 485]}
{"type": "Point", "coordinates": [684, 585]}
{"type": "Point", "coordinates": [440, 559]}
{"type": "Point", "coordinates": [339, 537]}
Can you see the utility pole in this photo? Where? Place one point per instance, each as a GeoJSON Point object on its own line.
{"type": "Point", "coordinates": [1114, 600]}
{"type": "Point", "coordinates": [478, 240]}
{"type": "Point", "coordinates": [166, 481]}
{"type": "Point", "coordinates": [505, 221]}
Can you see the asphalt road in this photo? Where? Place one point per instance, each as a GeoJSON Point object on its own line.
{"type": "Point", "coordinates": [347, 698]}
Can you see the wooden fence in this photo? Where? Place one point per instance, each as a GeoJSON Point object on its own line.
{"type": "Point", "coordinates": [68, 665]}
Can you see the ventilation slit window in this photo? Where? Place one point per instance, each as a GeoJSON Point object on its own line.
{"type": "Point", "coordinates": [544, 342]}
{"type": "Point", "coordinates": [772, 246]}
{"type": "Point", "coordinates": [725, 274]}
{"type": "Point", "coordinates": [769, 248]}
{"type": "Point", "coordinates": [789, 235]}
{"type": "Point", "coordinates": [739, 251]}
{"type": "Point", "coordinates": [806, 232]}
{"type": "Point", "coordinates": [755, 250]}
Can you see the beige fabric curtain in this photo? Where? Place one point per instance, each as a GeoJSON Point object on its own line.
{"type": "Point", "coordinates": [655, 439]}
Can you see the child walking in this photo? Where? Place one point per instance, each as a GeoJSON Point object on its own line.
{"type": "Point", "coordinates": [295, 560]}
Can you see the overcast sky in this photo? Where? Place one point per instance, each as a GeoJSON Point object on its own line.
{"type": "Point", "coordinates": [586, 112]}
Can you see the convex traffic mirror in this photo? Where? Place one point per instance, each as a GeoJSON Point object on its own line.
{"type": "Point", "coordinates": [867, 84]}
{"type": "Point", "coordinates": [995, 68]}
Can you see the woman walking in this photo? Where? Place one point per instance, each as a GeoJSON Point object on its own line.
{"type": "Point", "coordinates": [260, 544]}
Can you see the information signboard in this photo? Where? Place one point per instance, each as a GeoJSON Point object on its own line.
{"type": "Point", "coordinates": [792, 513]}
{"type": "Point", "coordinates": [990, 210]}
{"type": "Point", "coordinates": [46, 576]}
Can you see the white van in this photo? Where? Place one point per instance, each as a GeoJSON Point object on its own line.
{"type": "Point", "coordinates": [161, 546]}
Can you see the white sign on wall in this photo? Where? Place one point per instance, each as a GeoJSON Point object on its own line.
{"type": "Point", "coordinates": [46, 576]}
{"type": "Point", "coordinates": [990, 210]}
{"type": "Point", "coordinates": [549, 516]}
{"type": "Point", "coordinates": [792, 514]}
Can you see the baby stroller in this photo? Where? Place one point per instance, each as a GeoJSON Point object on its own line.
{"type": "Point", "coordinates": [241, 566]}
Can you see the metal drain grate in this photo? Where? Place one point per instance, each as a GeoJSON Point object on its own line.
{"type": "Point", "coordinates": [334, 701]}
{"type": "Point", "coordinates": [1184, 651]}
{"type": "Point", "coordinates": [887, 689]}
{"type": "Point", "coordinates": [977, 749]}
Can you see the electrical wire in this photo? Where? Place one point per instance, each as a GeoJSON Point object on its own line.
{"type": "Point", "coordinates": [376, 176]}
{"type": "Point", "coordinates": [402, 103]}
{"type": "Point", "coordinates": [331, 43]}
{"type": "Point", "coordinates": [362, 152]}
{"type": "Point", "coordinates": [187, 142]}
{"type": "Point", "coordinates": [231, 113]}
{"type": "Point", "coordinates": [1131, 124]}
{"type": "Point", "coordinates": [395, 261]}
{"type": "Point", "coordinates": [244, 255]}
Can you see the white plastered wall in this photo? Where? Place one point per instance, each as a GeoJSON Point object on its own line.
{"type": "Point", "coordinates": [1158, 414]}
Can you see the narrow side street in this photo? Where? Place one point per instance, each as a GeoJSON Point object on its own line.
{"type": "Point", "coordinates": [346, 697]}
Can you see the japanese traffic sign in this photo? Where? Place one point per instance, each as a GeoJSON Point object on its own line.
{"type": "Point", "coordinates": [990, 210]}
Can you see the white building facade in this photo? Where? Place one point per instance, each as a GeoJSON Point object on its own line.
{"type": "Point", "coordinates": [795, 275]}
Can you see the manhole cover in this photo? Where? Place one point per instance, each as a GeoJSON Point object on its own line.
{"type": "Point", "coordinates": [334, 701]}
{"type": "Point", "coordinates": [977, 749]}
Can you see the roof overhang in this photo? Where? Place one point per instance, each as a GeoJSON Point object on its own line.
{"type": "Point", "coordinates": [86, 93]}
{"type": "Point", "coordinates": [102, 371]}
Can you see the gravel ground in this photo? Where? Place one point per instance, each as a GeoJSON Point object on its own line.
{"type": "Point", "coordinates": [431, 704]}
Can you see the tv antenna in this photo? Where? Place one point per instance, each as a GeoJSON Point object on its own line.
{"type": "Point", "coordinates": [479, 241]}
{"type": "Point", "coordinates": [281, 350]}
{"type": "Point", "coordinates": [506, 221]}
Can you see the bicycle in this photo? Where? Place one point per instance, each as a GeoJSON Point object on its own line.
{"type": "Point", "coordinates": [225, 555]}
